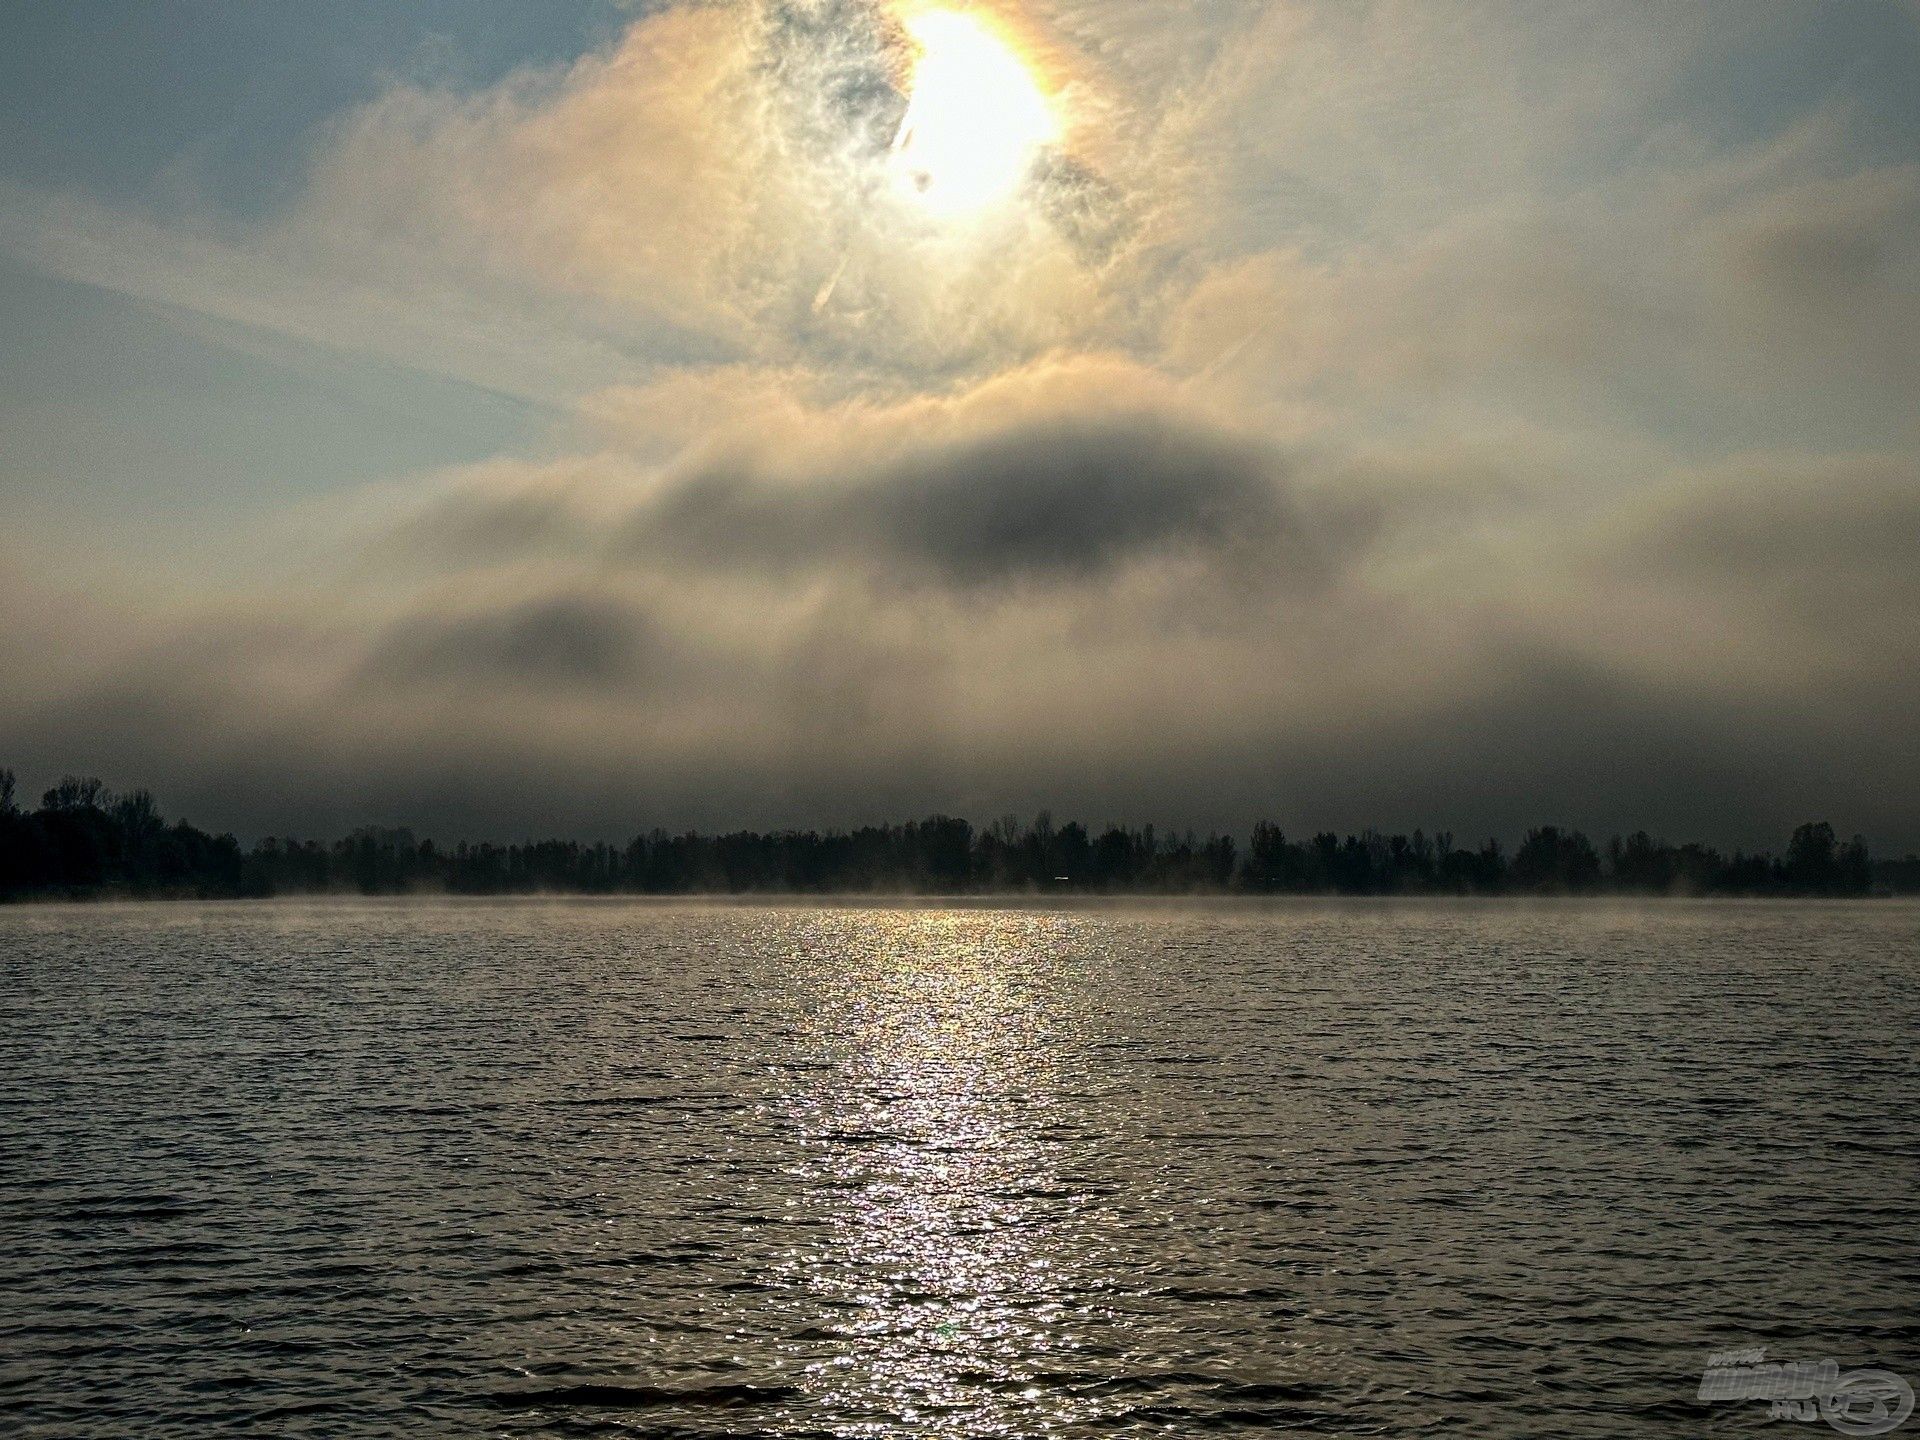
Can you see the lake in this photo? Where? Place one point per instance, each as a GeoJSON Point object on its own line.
{"type": "Point", "coordinates": [578, 1167]}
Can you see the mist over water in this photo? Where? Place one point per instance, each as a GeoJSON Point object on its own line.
{"type": "Point", "coordinates": [577, 1168]}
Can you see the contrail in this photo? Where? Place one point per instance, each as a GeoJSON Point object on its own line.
{"type": "Point", "coordinates": [826, 290]}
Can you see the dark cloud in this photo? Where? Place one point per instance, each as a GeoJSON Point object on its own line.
{"type": "Point", "coordinates": [566, 642]}
{"type": "Point", "coordinates": [1061, 502]}
{"type": "Point", "coordinates": [1065, 500]}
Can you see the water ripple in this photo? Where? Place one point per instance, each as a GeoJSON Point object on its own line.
{"type": "Point", "coordinates": [603, 1169]}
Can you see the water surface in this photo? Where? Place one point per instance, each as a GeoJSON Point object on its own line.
{"type": "Point", "coordinates": [583, 1168]}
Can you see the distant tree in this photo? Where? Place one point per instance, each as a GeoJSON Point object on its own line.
{"type": "Point", "coordinates": [136, 814]}
{"type": "Point", "coordinates": [1812, 859]}
{"type": "Point", "coordinates": [87, 840]}
{"type": "Point", "coordinates": [1117, 858]}
{"type": "Point", "coordinates": [1219, 856]}
{"type": "Point", "coordinates": [75, 792]}
{"type": "Point", "coordinates": [1641, 863]}
{"type": "Point", "coordinates": [946, 852]}
{"type": "Point", "coordinates": [1551, 859]}
{"type": "Point", "coordinates": [1269, 858]}
{"type": "Point", "coordinates": [1853, 868]}
{"type": "Point", "coordinates": [1070, 856]}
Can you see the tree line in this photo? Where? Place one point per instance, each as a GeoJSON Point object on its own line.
{"type": "Point", "coordinates": [85, 840]}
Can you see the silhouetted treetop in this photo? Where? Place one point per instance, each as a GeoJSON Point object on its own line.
{"type": "Point", "coordinates": [86, 840]}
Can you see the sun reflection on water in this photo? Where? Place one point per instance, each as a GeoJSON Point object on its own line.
{"type": "Point", "coordinates": [953, 1253]}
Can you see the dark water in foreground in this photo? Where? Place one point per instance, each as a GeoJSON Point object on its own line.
{"type": "Point", "coordinates": [583, 1168]}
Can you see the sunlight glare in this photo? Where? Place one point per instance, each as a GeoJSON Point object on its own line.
{"type": "Point", "coordinates": [976, 120]}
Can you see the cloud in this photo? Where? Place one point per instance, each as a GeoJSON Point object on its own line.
{"type": "Point", "coordinates": [1065, 500]}
{"type": "Point", "coordinates": [564, 641]}
{"type": "Point", "coordinates": [1393, 413]}
{"type": "Point", "coordinates": [1811, 553]}
{"type": "Point", "coordinates": [1703, 311]}
{"type": "Point", "coordinates": [712, 187]}
{"type": "Point", "coordinates": [1344, 217]}
{"type": "Point", "coordinates": [1117, 616]}
{"type": "Point", "coordinates": [717, 181]}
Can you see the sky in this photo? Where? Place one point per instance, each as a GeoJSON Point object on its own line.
{"type": "Point", "coordinates": [576, 418]}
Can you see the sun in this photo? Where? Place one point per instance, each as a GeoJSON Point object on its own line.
{"type": "Point", "coordinates": [976, 118]}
